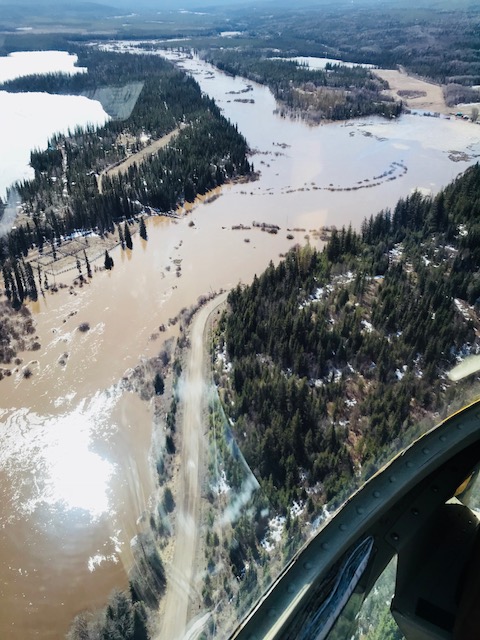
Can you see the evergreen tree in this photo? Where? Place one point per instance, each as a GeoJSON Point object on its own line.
{"type": "Point", "coordinates": [108, 261]}
{"type": "Point", "coordinates": [159, 384]}
{"type": "Point", "coordinates": [168, 500]}
{"type": "Point", "coordinates": [119, 621]}
{"type": "Point", "coordinates": [32, 287]}
{"type": "Point", "coordinates": [39, 276]}
{"type": "Point", "coordinates": [87, 264]}
{"type": "Point", "coordinates": [128, 236]}
{"type": "Point", "coordinates": [20, 289]}
{"type": "Point", "coordinates": [7, 279]}
{"type": "Point", "coordinates": [143, 229]}
{"type": "Point", "coordinates": [121, 237]}
{"type": "Point", "coordinates": [140, 631]}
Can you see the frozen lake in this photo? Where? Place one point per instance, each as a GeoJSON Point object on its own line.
{"type": "Point", "coordinates": [28, 120]}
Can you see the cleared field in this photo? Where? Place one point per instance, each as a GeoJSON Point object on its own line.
{"type": "Point", "coordinates": [429, 96]}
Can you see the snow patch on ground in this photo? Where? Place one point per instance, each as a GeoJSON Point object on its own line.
{"type": "Point", "coordinates": [368, 326]}
{"type": "Point", "coordinates": [222, 358]}
{"type": "Point", "coordinates": [465, 351]}
{"type": "Point", "coordinates": [463, 308]}
{"type": "Point", "coordinates": [274, 533]}
{"type": "Point", "coordinates": [400, 373]}
{"type": "Point", "coordinates": [276, 527]}
{"type": "Point", "coordinates": [221, 486]}
{"type": "Point", "coordinates": [396, 253]}
{"type": "Point", "coordinates": [323, 292]}
{"type": "Point", "coordinates": [296, 509]}
{"type": "Point", "coordinates": [322, 517]}
{"type": "Point", "coordinates": [344, 278]}
{"type": "Point", "coordinates": [318, 294]}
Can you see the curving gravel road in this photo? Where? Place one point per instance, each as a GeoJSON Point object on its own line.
{"type": "Point", "coordinates": [193, 398]}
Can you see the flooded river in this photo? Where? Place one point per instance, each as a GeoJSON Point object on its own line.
{"type": "Point", "coordinates": [74, 471]}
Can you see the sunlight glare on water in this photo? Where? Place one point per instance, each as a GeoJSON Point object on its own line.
{"type": "Point", "coordinates": [78, 477]}
{"type": "Point", "coordinates": [63, 469]}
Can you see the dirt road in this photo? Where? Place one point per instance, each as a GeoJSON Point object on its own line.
{"type": "Point", "coordinates": [180, 573]}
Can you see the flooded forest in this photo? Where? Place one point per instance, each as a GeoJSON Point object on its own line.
{"type": "Point", "coordinates": [200, 333]}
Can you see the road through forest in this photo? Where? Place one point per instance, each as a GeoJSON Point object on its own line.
{"type": "Point", "coordinates": [137, 158]}
{"type": "Point", "coordinates": [193, 399]}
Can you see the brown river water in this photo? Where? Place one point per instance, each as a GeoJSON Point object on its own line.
{"type": "Point", "coordinates": [75, 473]}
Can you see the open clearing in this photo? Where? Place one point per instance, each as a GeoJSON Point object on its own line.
{"type": "Point", "coordinates": [431, 100]}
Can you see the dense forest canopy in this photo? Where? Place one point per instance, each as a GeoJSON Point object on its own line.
{"type": "Point", "coordinates": [351, 91]}
{"type": "Point", "coordinates": [435, 40]}
{"type": "Point", "coordinates": [339, 356]}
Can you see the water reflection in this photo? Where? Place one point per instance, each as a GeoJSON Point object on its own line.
{"type": "Point", "coordinates": [73, 486]}
{"type": "Point", "coordinates": [60, 466]}
{"type": "Point", "coordinates": [465, 368]}
{"type": "Point", "coordinates": [77, 477]}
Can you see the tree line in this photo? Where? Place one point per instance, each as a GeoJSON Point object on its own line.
{"type": "Point", "coordinates": [441, 45]}
{"type": "Point", "coordinates": [338, 92]}
{"type": "Point", "coordinates": [63, 197]}
{"type": "Point", "coordinates": [338, 355]}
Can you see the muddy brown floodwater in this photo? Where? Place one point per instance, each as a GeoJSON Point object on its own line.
{"type": "Point", "coordinates": [74, 471]}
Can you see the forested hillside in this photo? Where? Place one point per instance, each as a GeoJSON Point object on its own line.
{"type": "Point", "coordinates": [338, 357]}
{"type": "Point", "coordinates": [440, 43]}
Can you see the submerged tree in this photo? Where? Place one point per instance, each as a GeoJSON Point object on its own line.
{"type": "Point", "coordinates": [121, 237]}
{"type": "Point", "coordinates": [128, 236]}
{"type": "Point", "coordinates": [159, 384]}
{"type": "Point", "coordinates": [143, 229]}
{"type": "Point", "coordinates": [108, 261]}
{"type": "Point", "coordinates": [87, 264]}
{"type": "Point", "coordinates": [31, 285]}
